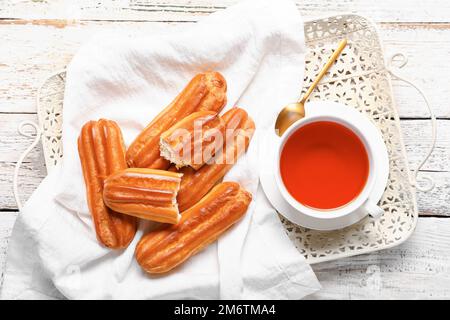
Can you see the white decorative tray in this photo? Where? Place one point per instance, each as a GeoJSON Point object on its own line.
{"type": "Point", "coordinates": [359, 79]}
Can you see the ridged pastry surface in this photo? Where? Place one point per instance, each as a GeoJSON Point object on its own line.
{"type": "Point", "coordinates": [239, 129]}
{"type": "Point", "coordinates": [145, 193]}
{"type": "Point", "coordinates": [102, 152]}
{"type": "Point", "coordinates": [205, 92]}
{"type": "Point", "coordinates": [194, 140]}
{"type": "Point", "coordinates": [162, 250]}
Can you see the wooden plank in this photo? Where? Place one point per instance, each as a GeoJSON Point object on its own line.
{"type": "Point", "coordinates": [12, 144]}
{"type": "Point", "coordinates": [181, 10]}
{"type": "Point", "coordinates": [30, 52]}
{"type": "Point", "coordinates": [42, 36]}
{"type": "Point", "coordinates": [423, 68]}
{"type": "Point", "coordinates": [417, 269]}
{"type": "Point", "coordinates": [416, 137]}
{"type": "Point", "coordinates": [30, 176]}
{"type": "Point", "coordinates": [416, 134]}
{"type": "Point", "coordinates": [437, 201]}
{"type": "Point", "coordinates": [433, 203]}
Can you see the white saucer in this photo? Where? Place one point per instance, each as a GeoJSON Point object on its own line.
{"type": "Point", "coordinates": [270, 146]}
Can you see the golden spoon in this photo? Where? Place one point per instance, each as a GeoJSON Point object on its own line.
{"type": "Point", "coordinates": [295, 111]}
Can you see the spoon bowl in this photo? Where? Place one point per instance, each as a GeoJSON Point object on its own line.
{"type": "Point", "coordinates": [290, 114]}
{"type": "Point", "coordinates": [295, 111]}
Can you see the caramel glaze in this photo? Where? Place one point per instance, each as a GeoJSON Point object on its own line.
{"type": "Point", "coordinates": [162, 250]}
{"type": "Point", "coordinates": [195, 184]}
{"type": "Point", "coordinates": [145, 193]}
{"type": "Point", "coordinates": [102, 152]}
{"type": "Point", "coordinates": [205, 92]}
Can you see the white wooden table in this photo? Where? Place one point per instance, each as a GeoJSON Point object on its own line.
{"type": "Point", "coordinates": [38, 37]}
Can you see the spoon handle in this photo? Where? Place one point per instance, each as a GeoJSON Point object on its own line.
{"type": "Point", "coordinates": [324, 70]}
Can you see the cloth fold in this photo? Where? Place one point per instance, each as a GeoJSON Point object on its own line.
{"type": "Point", "coordinates": [128, 77]}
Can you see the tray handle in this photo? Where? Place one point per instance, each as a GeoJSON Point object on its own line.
{"type": "Point", "coordinates": [37, 137]}
{"type": "Point", "coordinates": [401, 60]}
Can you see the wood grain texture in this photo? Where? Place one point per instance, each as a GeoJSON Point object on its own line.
{"type": "Point", "coordinates": [30, 52]}
{"type": "Point", "coordinates": [181, 10]}
{"type": "Point", "coordinates": [424, 46]}
{"type": "Point", "coordinates": [39, 37]}
{"type": "Point", "coordinates": [416, 136]}
{"type": "Point", "coordinates": [417, 269]}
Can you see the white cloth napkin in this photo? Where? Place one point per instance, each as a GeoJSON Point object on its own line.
{"type": "Point", "coordinates": [128, 77]}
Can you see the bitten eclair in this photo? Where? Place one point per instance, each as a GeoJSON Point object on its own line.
{"type": "Point", "coordinates": [205, 92]}
{"type": "Point", "coordinates": [239, 129]}
{"type": "Point", "coordinates": [102, 152]}
{"type": "Point", "coordinates": [194, 140]}
{"type": "Point", "coordinates": [145, 193]}
{"type": "Point", "coordinates": [162, 250]}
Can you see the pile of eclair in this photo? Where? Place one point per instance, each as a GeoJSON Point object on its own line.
{"type": "Point", "coordinates": [171, 173]}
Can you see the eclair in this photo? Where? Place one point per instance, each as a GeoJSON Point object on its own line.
{"type": "Point", "coordinates": [102, 152]}
{"type": "Point", "coordinates": [163, 249]}
{"type": "Point", "coordinates": [194, 140]}
{"type": "Point", "coordinates": [205, 92]}
{"type": "Point", "coordinates": [239, 129]}
{"type": "Point", "coordinates": [144, 193]}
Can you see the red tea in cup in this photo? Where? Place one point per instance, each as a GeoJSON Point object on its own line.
{"type": "Point", "coordinates": [324, 165]}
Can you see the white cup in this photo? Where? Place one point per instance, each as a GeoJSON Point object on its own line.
{"type": "Point", "coordinates": [351, 212]}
